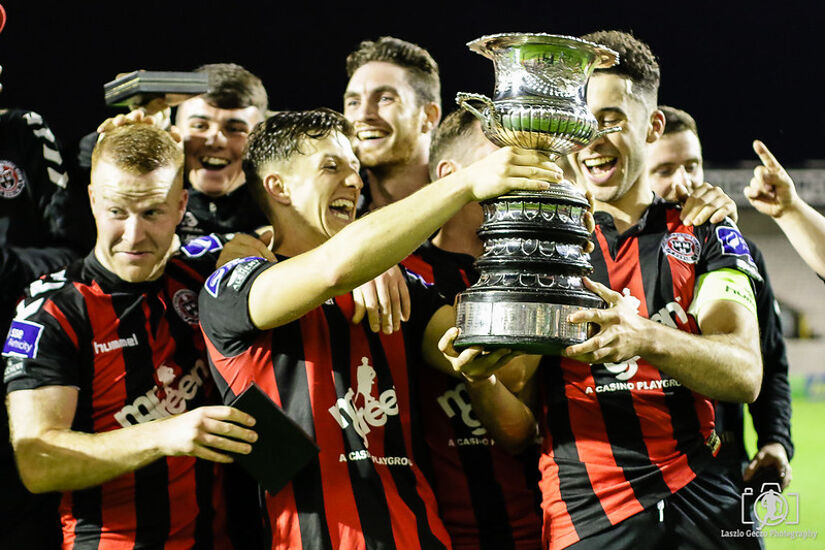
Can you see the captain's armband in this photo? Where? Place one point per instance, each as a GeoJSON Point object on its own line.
{"type": "Point", "coordinates": [723, 284]}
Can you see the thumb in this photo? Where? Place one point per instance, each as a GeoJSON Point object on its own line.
{"type": "Point", "coordinates": [266, 237]}
{"type": "Point", "coordinates": [681, 193]}
{"type": "Point", "coordinates": [751, 469]}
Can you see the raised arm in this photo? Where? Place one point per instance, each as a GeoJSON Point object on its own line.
{"type": "Point", "coordinates": [53, 457]}
{"type": "Point", "coordinates": [772, 192]}
{"type": "Point", "coordinates": [370, 245]}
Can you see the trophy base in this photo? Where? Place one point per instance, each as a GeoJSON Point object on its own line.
{"type": "Point", "coordinates": [518, 321]}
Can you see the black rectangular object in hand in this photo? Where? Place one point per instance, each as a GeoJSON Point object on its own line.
{"type": "Point", "coordinates": [139, 87]}
{"type": "Point", "coordinates": [283, 448]}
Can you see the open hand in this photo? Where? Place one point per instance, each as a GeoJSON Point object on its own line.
{"type": "Point", "coordinates": [706, 202]}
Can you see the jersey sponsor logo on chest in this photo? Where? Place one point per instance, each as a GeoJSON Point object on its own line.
{"type": "Point", "coordinates": [117, 343]}
{"type": "Point", "coordinates": [177, 392]}
{"type": "Point", "coordinates": [456, 401]}
{"type": "Point", "coordinates": [361, 409]}
{"type": "Point", "coordinates": [12, 180]}
{"type": "Point", "coordinates": [671, 314]}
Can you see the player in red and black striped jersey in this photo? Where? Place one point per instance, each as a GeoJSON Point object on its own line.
{"type": "Point", "coordinates": [106, 370]}
{"type": "Point", "coordinates": [675, 166]}
{"type": "Point", "coordinates": [623, 436]}
{"type": "Point", "coordinates": [487, 497]}
{"type": "Point", "coordinates": [627, 416]}
{"type": "Point", "coordinates": [351, 390]}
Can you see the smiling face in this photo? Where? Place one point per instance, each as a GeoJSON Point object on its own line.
{"type": "Point", "coordinates": [389, 120]}
{"type": "Point", "coordinates": [612, 165]}
{"type": "Point", "coordinates": [136, 216]}
{"type": "Point", "coordinates": [676, 159]}
{"type": "Point", "coordinates": [322, 186]}
{"type": "Point", "coordinates": [213, 143]}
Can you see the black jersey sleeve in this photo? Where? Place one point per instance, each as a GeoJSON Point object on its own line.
{"type": "Point", "coordinates": [725, 247]}
{"type": "Point", "coordinates": [224, 313]}
{"type": "Point", "coordinates": [425, 300]}
{"type": "Point", "coordinates": [771, 411]}
{"type": "Point", "coordinates": [41, 348]}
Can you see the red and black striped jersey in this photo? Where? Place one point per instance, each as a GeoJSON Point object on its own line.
{"type": "Point", "coordinates": [488, 498]}
{"type": "Point", "coordinates": [620, 437]}
{"type": "Point", "coordinates": [135, 354]}
{"type": "Point", "coordinates": [351, 390]}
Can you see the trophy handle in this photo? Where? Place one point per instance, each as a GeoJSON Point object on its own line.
{"type": "Point", "coordinates": [464, 100]}
{"type": "Point", "coordinates": [605, 131]}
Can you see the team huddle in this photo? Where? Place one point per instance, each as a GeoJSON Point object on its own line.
{"type": "Point", "coordinates": [318, 254]}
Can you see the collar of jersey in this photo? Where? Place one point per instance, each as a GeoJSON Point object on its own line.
{"type": "Point", "coordinates": [110, 282]}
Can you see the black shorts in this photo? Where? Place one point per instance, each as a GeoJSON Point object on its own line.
{"type": "Point", "coordinates": [706, 514]}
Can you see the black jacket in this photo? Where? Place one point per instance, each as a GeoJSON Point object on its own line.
{"type": "Point", "coordinates": [232, 213]}
{"type": "Point", "coordinates": [45, 222]}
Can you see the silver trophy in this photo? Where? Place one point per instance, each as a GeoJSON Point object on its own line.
{"type": "Point", "coordinates": [530, 273]}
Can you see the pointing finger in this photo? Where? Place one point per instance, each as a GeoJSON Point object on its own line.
{"type": "Point", "coordinates": [765, 155]}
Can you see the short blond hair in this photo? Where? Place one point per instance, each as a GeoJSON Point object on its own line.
{"type": "Point", "coordinates": [138, 149]}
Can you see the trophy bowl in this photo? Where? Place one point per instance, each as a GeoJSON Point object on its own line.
{"type": "Point", "coordinates": [530, 273]}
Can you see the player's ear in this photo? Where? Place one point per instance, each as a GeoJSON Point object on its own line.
{"type": "Point", "coordinates": [91, 190]}
{"type": "Point", "coordinates": [432, 115]}
{"type": "Point", "coordinates": [184, 199]}
{"type": "Point", "coordinates": [445, 168]}
{"type": "Point", "coordinates": [275, 188]}
{"type": "Point", "coordinates": [656, 127]}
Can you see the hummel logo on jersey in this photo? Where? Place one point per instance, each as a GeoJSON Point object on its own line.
{"type": "Point", "coordinates": [149, 406]}
{"type": "Point", "coordinates": [117, 343]}
{"type": "Point", "coordinates": [361, 408]}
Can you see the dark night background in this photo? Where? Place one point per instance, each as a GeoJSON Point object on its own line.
{"type": "Point", "coordinates": [743, 71]}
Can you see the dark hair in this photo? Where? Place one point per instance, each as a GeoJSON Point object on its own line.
{"type": "Point", "coordinates": [138, 149]}
{"type": "Point", "coordinates": [281, 136]}
{"type": "Point", "coordinates": [448, 141]}
{"type": "Point", "coordinates": [233, 87]}
{"type": "Point", "coordinates": [418, 63]}
{"type": "Point", "coordinates": [636, 61]}
{"type": "Point", "coordinates": [677, 120]}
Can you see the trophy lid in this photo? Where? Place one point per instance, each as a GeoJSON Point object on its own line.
{"type": "Point", "coordinates": [486, 45]}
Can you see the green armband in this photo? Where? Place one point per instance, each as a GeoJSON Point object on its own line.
{"type": "Point", "coordinates": [722, 284]}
